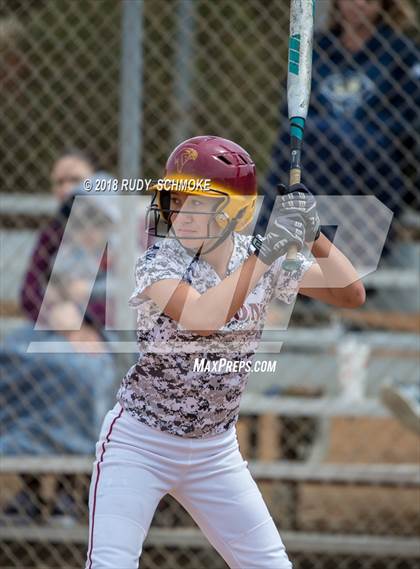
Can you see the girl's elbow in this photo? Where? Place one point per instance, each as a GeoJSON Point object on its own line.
{"type": "Point", "coordinates": [357, 298]}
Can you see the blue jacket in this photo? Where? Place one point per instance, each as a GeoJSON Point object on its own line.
{"type": "Point", "coordinates": [363, 120]}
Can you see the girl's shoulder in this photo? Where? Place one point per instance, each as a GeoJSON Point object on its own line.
{"type": "Point", "coordinates": [164, 248]}
{"type": "Point", "coordinates": [165, 259]}
{"type": "Point", "coordinates": [150, 253]}
{"type": "Point", "coordinates": [169, 256]}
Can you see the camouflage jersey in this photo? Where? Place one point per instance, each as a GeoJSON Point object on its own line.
{"type": "Point", "coordinates": [162, 390]}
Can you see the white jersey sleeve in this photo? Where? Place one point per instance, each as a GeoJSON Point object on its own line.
{"type": "Point", "coordinates": [157, 264]}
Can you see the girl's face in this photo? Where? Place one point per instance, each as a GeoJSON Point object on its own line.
{"type": "Point", "coordinates": [359, 12]}
{"type": "Point", "coordinates": [194, 219]}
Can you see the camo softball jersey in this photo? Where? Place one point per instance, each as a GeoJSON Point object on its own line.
{"type": "Point", "coordinates": [162, 390]}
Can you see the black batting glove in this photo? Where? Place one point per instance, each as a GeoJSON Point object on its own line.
{"type": "Point", "coordinates": [282, 232]}
{"type": "Point", "coordinates": [297, 199]}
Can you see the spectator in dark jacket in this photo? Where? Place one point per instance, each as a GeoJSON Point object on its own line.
{"type": "Point", "coordinates": [361, 135]}
{"type": "Point", "coordinates": [38, 274]}
{"type": "Point", "coordinates": [68, 171]}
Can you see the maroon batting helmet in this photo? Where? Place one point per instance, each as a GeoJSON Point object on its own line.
{"type": "Point", "coordinates": [231, 173]}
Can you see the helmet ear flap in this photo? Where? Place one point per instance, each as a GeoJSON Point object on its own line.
{"type": "Point", "coordinates": [221, 216]}
{"type": "Point", "coordinates": [241, 210]}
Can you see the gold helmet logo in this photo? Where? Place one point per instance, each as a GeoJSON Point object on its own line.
{"type": "Point", "coordinates": [186, 155]}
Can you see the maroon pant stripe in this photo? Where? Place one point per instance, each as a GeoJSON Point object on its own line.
{"type": "Point", "coordinates": [98, 470]}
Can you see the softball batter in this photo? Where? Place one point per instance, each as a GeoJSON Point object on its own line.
{"type": "Point", "coordinates": [202, 291]}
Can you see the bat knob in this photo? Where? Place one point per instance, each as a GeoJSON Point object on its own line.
{"type": "Point", "coordinates": [291, 262]}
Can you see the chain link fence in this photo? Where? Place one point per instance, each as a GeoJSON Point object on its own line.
{"type": "Point", "coordinates": [338, 470]}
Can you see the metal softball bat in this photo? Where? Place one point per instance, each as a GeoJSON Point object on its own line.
{"type": "Point", "coordinates": [299, 73]}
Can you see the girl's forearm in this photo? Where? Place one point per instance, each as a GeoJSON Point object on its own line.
{"type": "Point", "coordinates": [339, 274]}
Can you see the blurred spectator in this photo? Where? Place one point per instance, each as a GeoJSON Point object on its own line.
{"type": "Point", "coordinates": [68, 171]}
{"type": "Point", "coordinates": [54, 402]}
{"type": "Point", "coordinates": [90, 227]}
{"type": "Point", "coordinates": [70, 274]}
{"type": "Point", "coordinates": [361, 136]}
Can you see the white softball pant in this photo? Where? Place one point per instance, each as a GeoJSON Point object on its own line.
{"type": "Point", "coordinates": [136, 466]}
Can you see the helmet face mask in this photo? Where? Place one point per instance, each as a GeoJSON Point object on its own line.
{"type": "Point", "coordinates": [230, 173]}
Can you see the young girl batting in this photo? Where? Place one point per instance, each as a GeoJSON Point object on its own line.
{"type": "Point", "coordinates": [203, 291]}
